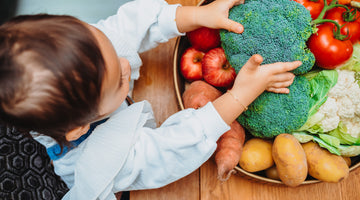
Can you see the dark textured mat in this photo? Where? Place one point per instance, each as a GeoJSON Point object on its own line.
{"type": "Point", "coordinates": [25, 169]}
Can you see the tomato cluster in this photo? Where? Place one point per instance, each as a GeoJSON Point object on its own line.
{"type": "Point", "coordinates": [338, 28]}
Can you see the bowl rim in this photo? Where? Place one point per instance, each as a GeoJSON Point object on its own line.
{"type": "Point", "coordinates": [176, 73]}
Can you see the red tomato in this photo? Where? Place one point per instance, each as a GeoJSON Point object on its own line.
{"type": "Point", "coordinates": [329, 52]}
{"type": "Point", "coordinates": [314, 6]}
{"type": "Point", "coordinates": [351, 27]}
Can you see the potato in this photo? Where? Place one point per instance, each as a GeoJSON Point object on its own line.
{"type": "Point", "coordinates": [347, 160]}
{"type": "Point", "coordinates": [199, 93]}
{"type": "Point", "coordinates": [290, 160]}
{"type": "Point", "coordinates": [272, 173]}
{"type": "Point", "coordinates": [256, 155]}
{"type": "Point", "coordinates": [324, 165]}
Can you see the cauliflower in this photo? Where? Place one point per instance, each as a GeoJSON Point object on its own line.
{"type": "Point", "coordinates": [353, 126]}
{"type": "Point", "coordinates": [353, 93]}
{"type": "Point", "coordinates": [330, 123]}
{"type": "Point", "coordinates": [330, 107]}
{"type": "Point", "coordinates": [345, 80]}
{"type": "Point", "coordinates": [338, 117]}
{"type": "Point", "coordinates": [330, 119]}
{"type": "Point", "coordinates": [343, 104]}
{"type": "Point", "coordinates": [357, 111]}
{"type": "Point", "coordinates": [346, 107]}
{"type": "Point", "coordinates": [334, 119]}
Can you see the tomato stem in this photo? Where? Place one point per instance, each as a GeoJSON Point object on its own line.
{"type": "Point", "coordinates": [349, 15]}
{"type": "Point", "coordinates": [320, 19]}
{"type": "Point", "coordinates": [327, 7]}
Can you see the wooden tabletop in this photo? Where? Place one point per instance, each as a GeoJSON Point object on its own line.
{"type": "Point", "coordinates": [156, 85]}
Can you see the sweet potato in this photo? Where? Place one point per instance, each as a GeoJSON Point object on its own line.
{"type": "Point", "coordinates": [228, 151]}
{"type": "Point", "coordinates": [198, 94]}
{"type": "Point", "coordinates": [230, 144]}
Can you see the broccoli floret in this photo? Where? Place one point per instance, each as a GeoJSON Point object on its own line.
{"type": "Point", "coordinates": [272, 114]}
{"type": "Point", "coordinates": [275, 29]}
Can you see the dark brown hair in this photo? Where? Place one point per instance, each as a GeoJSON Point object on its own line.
{"type": "Point", "coordinates": [51, 71]}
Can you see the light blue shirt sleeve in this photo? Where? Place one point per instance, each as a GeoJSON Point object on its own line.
{"type": "Point", "coordinates": [129, 153]}
{"type": "Point", "coordinates": [139, 26]}
{"type": "Point", "coordinates": [178, 147]}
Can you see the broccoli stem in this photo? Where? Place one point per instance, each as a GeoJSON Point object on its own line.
{"type": "Point", "coordinates": [320, 19]}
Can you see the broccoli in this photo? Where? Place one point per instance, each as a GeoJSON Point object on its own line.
{"type": "Point", "coordinates": [272, 114]}
{"type": "Point", "coordinates": [275, 29]}
{"type": "Point", "coordinates": [323, 106]}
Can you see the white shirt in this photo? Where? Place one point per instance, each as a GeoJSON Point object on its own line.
{"type": "Point", "coordinates": [128, 152]}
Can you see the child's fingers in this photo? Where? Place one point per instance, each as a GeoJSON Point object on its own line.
{"type": "Point", "coordinates": [253, 63]}
{"type": "Point", "coordinates": [237, 2]}
{"type": "Point", "coordinates": [234, 26]}
{"type": "Point", "coordinates": [285, 66]}
{"type": "Point", "coordinates": [278, 90]}
{"type": "Point", "coordinates": [286, 76]}
{"type": "Point", "coordinates": [282, 84]}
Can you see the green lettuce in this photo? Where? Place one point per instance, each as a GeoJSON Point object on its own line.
{"type": "Point", "coordinates": [330, 143]}
{"type": "Point", "coordinates": [321, 81]}
{"type": "Point", "coordinates": [304, 137]}
{"type": "Point", "coordinates": [341, 133]}
{"type": "Point", "coordinates": [337, 141]}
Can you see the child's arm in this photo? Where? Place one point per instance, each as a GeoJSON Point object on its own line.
{"type": "Point", "coordinates": [250, 82]}
{"type": "Point", "coordinates": [214, 15]}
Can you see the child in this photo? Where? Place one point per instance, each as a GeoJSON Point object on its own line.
{"type": "Point", "coordinates": [59, 75]}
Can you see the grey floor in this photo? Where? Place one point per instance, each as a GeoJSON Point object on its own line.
{"type": "Point", "coordinates": [89, 11]}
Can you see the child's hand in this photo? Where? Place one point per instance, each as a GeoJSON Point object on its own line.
{"type": "Point", "coordinates": [214, 15]}
{"type": "Point", "coordinates": [254, 78]}
{"type": "Point", "coordinates": [250, 82]}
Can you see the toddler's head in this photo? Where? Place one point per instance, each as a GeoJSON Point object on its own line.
{"type": "Point", "coordinates": [51, 74]}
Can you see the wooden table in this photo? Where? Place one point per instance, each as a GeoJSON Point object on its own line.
{"type": "Point", "coordinates": [156, 85]}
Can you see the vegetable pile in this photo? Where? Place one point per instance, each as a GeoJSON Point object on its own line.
{"type": "Point", "coordinates": [323, 105]}
{"type": "Point", "coordinates": [286, 159]}
{"type": "Point", "coordinates": [334, 116]}
{"type": "Point", "coordinates": [337, 29]}
{"type": "Point", "coordinates": [315, 129]}
{"type": "Point", "coordinates": [275, 29]}
{"type": "Point", "coordinates": [278, 31]}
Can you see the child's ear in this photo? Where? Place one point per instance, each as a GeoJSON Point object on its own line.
{"type": "Point", "coordinates": [76, 133]}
